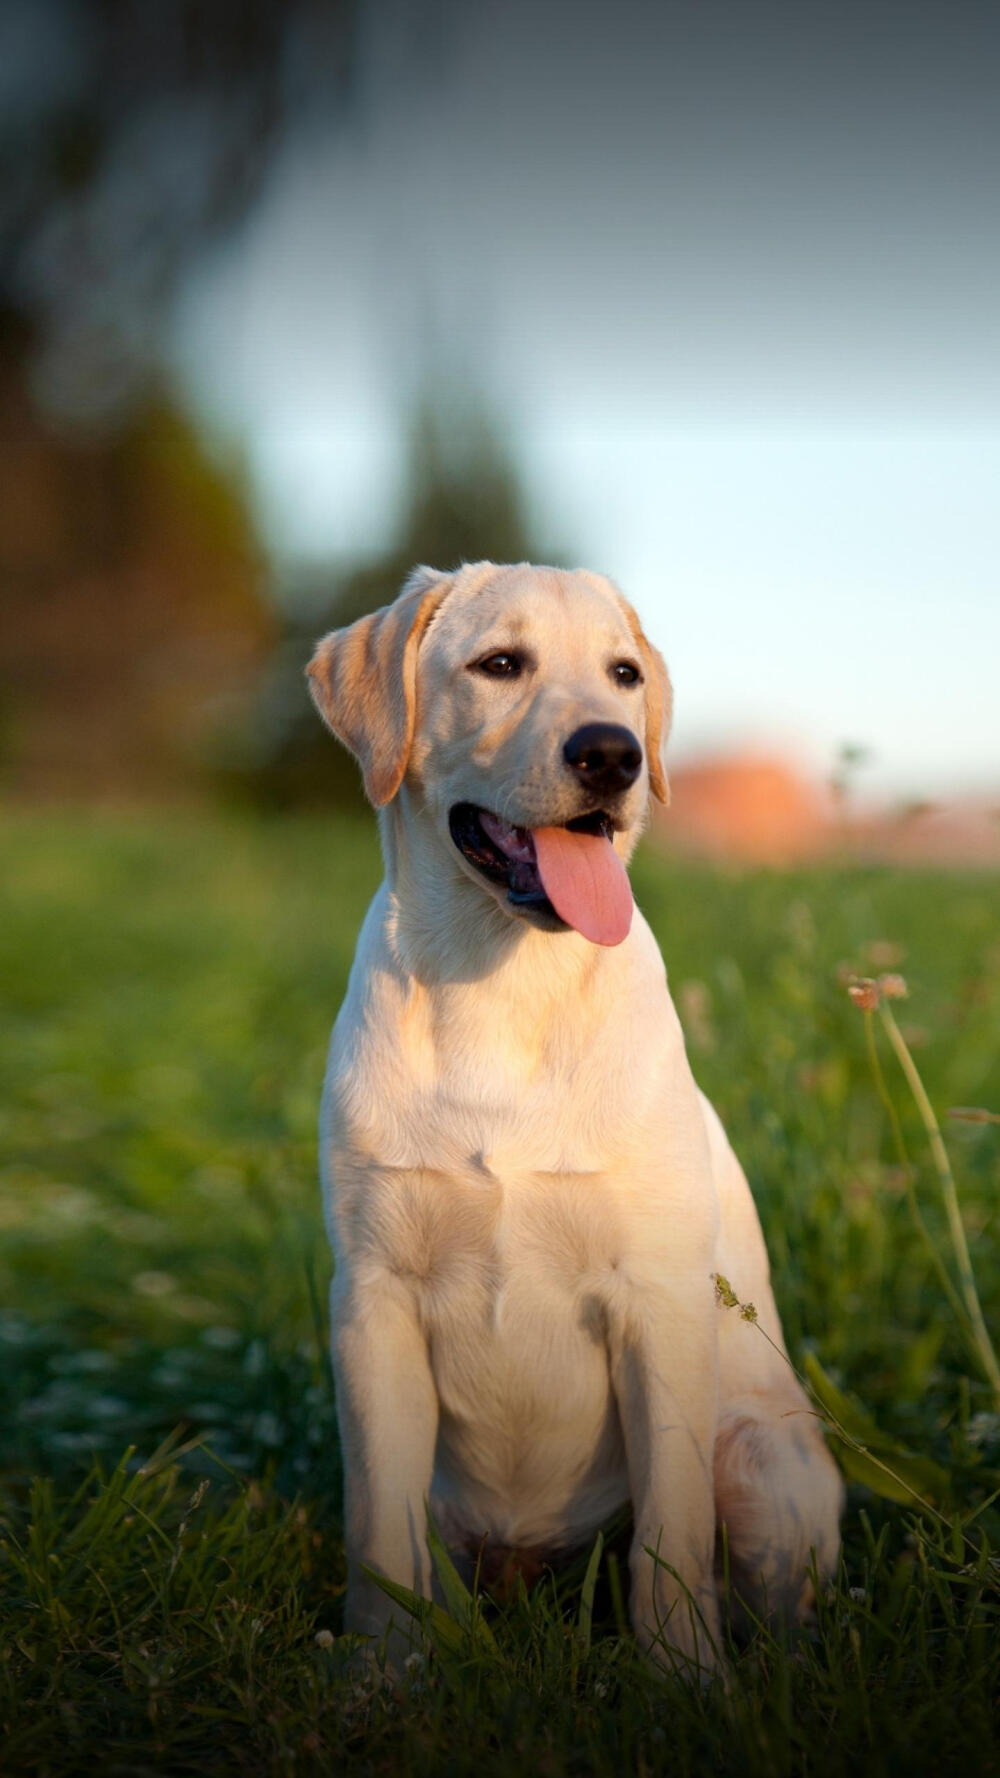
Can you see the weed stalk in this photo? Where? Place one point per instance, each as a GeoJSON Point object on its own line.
{"type": "Point", "coordinates": [908, 1171]}
{"type": "Point", "coordinates": [967, 1278]}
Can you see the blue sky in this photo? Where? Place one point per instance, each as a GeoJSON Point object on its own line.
{"type": "Point", "coordinates": [730, 277]}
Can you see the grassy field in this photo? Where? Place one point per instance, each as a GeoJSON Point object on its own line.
{"type": "Point", "coordinates": [171, 1568]}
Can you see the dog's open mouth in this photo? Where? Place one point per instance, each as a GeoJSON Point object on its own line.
{"type": "Point", "coordinates": [565, 876]}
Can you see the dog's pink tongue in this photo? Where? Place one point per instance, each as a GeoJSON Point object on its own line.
{"type": "Point", "coordinates": [586, 882]}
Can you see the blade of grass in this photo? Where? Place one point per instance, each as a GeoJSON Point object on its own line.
{"type": "Point", "coordinates": [586, 1617]}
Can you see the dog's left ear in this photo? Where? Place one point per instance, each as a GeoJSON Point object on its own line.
{"type": "Point", "coordinates": [659, 714]}
{"type": "Point", "coordinates": [659, 703]}
{"type": "Point", "coordinates": [363, 681]}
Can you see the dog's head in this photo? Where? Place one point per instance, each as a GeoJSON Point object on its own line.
{"type": "Point", "coordinates": [527, 711]}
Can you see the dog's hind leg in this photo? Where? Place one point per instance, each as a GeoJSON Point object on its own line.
{"type": "Point", "coordinates": [778, 1492]}
{"type": "Point", "coordinates": [778, 1499]}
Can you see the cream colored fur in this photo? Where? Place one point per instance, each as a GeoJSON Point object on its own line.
{"type": "Point", "coordinates": [526, 1193]}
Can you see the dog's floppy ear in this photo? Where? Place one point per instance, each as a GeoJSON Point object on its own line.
{"type": "Point", "coordinates": [659, 703]}
{"type": "Point", "coordinates": [659, 713]}
{"type": "Point", "coordinates": [363, 681]}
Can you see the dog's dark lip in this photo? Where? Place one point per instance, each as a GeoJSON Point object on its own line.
{"type": "Point", "coordinates": [475, 845]}
{"type": "Point", "coordinates": [598, 821]}
{"type": "Point", "coordinates": [519, 878]}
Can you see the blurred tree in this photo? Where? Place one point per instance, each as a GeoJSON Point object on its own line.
{"type": "Point", "coordinates": [464, 502]}
{"type": "Point", "coordinates": [131, 133]}
{"type": "Point", "coordinates": [130, 600]}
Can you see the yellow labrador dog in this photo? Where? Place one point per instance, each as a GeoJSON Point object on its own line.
{"type": "Point", "coordinates": [527, 1195]}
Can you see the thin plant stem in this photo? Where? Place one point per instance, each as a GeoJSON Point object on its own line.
{"type": "Point", "coordinates": [911, 1196]}
{"type": "Point", "coordinates": [967, 1279]}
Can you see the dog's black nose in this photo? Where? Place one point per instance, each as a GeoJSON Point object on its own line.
{"type": "Point", "coordinates": [606, 757]}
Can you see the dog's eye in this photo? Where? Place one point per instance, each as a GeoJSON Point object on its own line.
{"type": "Point", "coordinates": [625, 673]}
{"type": "Point", "coordinates": [501, 666]}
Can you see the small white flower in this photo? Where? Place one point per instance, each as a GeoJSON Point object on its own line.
{"type": "Point", "coordinates": [268, 1429]}
{"type": "Point", "coordinates": [858, 1594]}
{"type": "Point", "coordinates": [324, 1638]}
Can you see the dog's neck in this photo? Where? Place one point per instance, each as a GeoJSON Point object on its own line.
{"type": "Point", "coordinates": [445, 929]}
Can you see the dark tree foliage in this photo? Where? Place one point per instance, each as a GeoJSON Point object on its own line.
{"type": "Point", "coordinates": [465, 503]}
{"type": "Point", "coordinates": [132, 132]}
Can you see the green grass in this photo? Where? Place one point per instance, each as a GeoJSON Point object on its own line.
{"type": "Point", "coordinates": [169, 984]}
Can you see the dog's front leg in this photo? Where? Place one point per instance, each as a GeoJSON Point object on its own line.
{"type": "Point", "coordinates": [387, 1412]}
{"type": "Point", "coordinates": [664, 1368]}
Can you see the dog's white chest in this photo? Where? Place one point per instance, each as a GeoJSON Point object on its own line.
{"type": "Point", "coordinates": [511, 1299]}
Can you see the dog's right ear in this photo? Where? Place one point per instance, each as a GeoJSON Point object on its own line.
{"type": "Point", "coordinates": [363, 681]}
{"type": "Point", "coordinates": [659, 700]}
